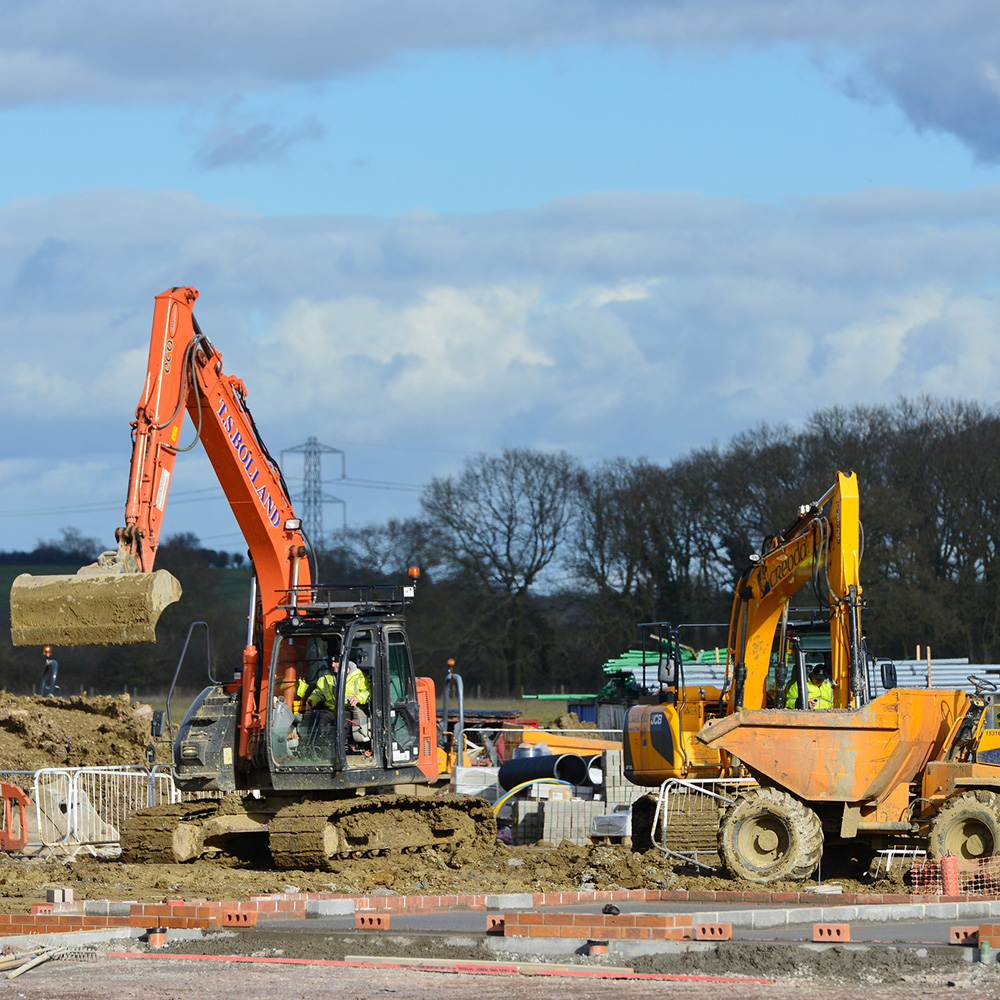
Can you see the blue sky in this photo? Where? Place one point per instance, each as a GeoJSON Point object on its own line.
{"type": "Point", "coordinates": [491, 131]}
{"type": "Point", "coordinates": [427, 231]}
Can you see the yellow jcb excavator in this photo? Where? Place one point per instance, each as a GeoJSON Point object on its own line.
{"type": "Point", "coordinates": [908, 764]}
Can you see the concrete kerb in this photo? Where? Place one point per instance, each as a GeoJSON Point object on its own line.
{"type": "Point", "coordinates": [330, 908]}
{"type": "Point", "coordinates": [510, 901]}
{"type": "Point", "coordinates": [874, 913]}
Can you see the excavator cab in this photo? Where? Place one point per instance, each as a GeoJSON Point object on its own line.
{"type": "Point", "coordinates": [326, 741]}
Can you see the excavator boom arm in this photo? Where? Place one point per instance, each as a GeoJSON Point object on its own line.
{"type": "Point", "coordinates": [119, 599]}
{"type": "Point", "coordinates": [822, 544]}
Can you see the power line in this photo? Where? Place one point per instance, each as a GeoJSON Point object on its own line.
{"type": "Point", "coordinates": [175, 500]}
{"type": "Point", "coordinates": [313, 496]}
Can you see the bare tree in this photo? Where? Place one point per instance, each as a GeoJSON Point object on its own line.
{"type": "Point", "coordinates": [501, 521]}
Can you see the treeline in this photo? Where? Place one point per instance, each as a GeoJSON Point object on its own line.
{"type": "Point", "coordinates": [535, 570]}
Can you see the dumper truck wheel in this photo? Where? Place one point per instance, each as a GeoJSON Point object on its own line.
{"type": "Point", "coordinates": [968, 826]}
{"type": "Point", "coordinates": [767, 834]}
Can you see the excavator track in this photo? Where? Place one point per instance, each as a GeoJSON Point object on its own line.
{"type": "Point", "coordinates": [315, 833]}
{"type": "Point", "coordinates": [186, 831]}
{"type": "Point", "coordinates": [308, 835]}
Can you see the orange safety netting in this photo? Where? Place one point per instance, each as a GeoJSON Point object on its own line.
{"type": "Point", "coordinates": [950, 876]}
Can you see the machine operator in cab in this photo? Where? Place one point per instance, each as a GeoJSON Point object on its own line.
{"type": "Point", "coordinates": [819, 690]}
{"type": "Point", "coordinates": [320, 698]}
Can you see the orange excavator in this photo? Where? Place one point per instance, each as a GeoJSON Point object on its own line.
{"type": "Point", "coordinates": [294, 778]}
{"type": "Point", "coordinates": [910, 765]}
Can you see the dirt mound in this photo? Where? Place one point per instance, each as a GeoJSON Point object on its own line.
{"type": "Point", "coordinates": [81, 731]}
{"type": "Point", "coordinates": [570, 720]}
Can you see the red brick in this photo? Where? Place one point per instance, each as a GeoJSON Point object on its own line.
{"type": "Point", "coordinates": [703, 895]}
{"type": "Point", "coordinates": [561, 919]}
{"type": "Point", "coordinates": [371, 921]}
{"type": "Point", "coordinates": [494, 924]}
{"type": "Point", "coordinates": [713, 932]}
{"type": "Point", "coordinates": [542, 930]}
{"type": "Point", "coordinates": [831, 932]}
{"type": "Point", "coordinates": [963, 935]}
{"type": "Point", "coordinates": [239, 918]}
{"type": "Point", "coordinates": [654, 920]}
{"type": "Point", "coordinates": [669, 895]}
{"type": "Point", "coordinates": [668, 933]}
{"type": "Point", "coordinates": [636, 933]}
{"type": "Point", "coordinates": [532, 918]}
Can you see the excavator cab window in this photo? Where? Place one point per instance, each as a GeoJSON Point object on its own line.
{"type": "Point", "coordinates": [403, 709]}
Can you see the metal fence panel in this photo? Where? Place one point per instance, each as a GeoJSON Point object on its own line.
{"type": "Point", "coordinates": [84, 808]}
{"type": "Point", "coordinates": [688, 813]}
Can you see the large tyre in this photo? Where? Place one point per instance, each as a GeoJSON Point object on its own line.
{"type": "Point", "coordinates": [968, 826]}
{"type": "Point", "coordinates": [767, 834]}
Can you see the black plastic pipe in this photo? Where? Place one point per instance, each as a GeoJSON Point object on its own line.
{"type": "Point", "coordinates": [569, 767]}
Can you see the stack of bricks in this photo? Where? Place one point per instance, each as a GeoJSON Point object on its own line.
{"type": "Point", "coordinates": [988, 934]}
{"type": "Point", "coordinates": [602, 926]}
{"type": "Point", "coordinates": [572, 820]}
{"type": "Point", "coordinates": [526, 819]}
{"type": "Point", "coordinates": [555, 820]}
{"type": "Point", "coordinates": [616, 789]}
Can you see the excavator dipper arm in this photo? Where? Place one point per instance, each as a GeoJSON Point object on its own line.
{"type": "Point", "coordinates": [119, 599]}
{"type": "Point", "coordinates": [822, 544]}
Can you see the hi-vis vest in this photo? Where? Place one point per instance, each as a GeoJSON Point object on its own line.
{"type": "Point", "coordinates": [823, 693]}
{"type": "Point", "coordinates": [324, 690]}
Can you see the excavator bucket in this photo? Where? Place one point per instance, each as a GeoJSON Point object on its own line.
{"type": "Point", "coordinates": [89, 608]}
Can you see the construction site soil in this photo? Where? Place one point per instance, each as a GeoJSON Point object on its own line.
{"type": "Point", "coordinates": [37, 732]}
{"type": "Point", "coordinates": [40, 732]}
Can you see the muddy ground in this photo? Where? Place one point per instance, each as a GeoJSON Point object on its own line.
{"type": "Point", "coordinates": [71, 732]}
{"type": "Point", "coordinates": [62, 732]}
{"type": "Point", "coordinates": [37, 732]}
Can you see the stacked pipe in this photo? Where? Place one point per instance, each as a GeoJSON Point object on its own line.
{"type": "Point", "coordinates": [569, 767]}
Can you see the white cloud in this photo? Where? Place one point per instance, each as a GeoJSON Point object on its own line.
{"type": "Point", "coordinates": [934, 60]}
{"type": "Point", "coordinates": [613, 325]}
